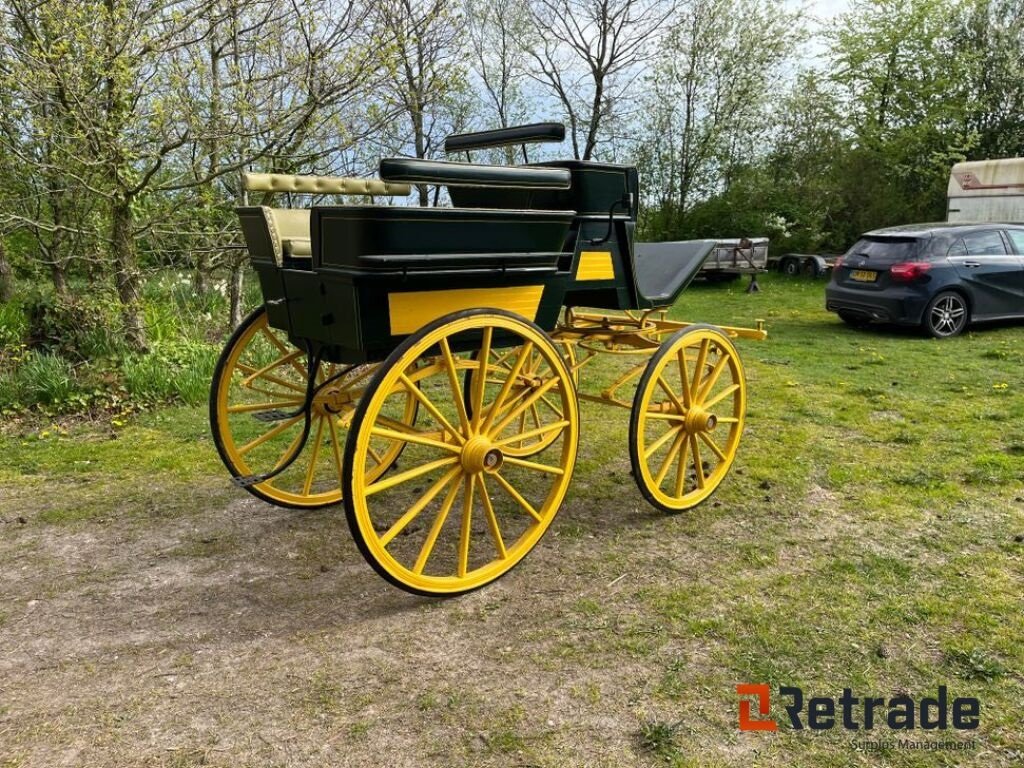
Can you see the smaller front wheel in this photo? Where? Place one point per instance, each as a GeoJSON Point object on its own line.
{"type": "Point", "coordinates": [687, 418]}
{"type": "Point", "coordinates": [946, 315]}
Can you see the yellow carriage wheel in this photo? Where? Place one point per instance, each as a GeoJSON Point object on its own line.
{"type": "Point", "coordinates": [533, 374]}
{"type": "Point", "coordinates": [256, 399]}
{"type": "Point", "coordinates": [687, 418]}
{"type": "Point", "coordinates": [463, 509]}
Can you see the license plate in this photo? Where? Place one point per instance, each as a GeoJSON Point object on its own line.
{"type": "Point", "coordinates": [863, 275]}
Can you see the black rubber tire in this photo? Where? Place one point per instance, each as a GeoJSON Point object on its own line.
{"type": "Point", "coordinates": [810, 268]}
{"type": "Point", "coordinates": [936, 324]}
{"type": "Point", "coordinates": [790, 266]}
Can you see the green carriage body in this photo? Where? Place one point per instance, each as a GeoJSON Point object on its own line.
{"type": "Point", "coordinates": [531, 239]}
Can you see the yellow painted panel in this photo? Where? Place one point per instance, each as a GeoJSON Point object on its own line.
{"type": "Point", "coordinates": [411, 311]}
{"type": "Point", "coordinates": [595, 265]}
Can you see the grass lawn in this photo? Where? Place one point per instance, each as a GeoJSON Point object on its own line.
{"type": "Point", "coordinates": [870, 536]}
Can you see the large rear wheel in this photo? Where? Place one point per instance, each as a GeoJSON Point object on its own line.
{"type": "Point", "coordinates": [464, 509]}
{"type": "Point", "coordinates": [257, 417]}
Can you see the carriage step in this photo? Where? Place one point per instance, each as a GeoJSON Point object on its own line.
{"type": "Point", "coordinates": [271, 416]}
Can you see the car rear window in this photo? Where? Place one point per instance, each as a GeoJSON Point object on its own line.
{"type": "Point", "coordinates": [886, 250]}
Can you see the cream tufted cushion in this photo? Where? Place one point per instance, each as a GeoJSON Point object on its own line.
{"type": "Point", "coordinates": [289, 231]}
{"type": "Point", "coordinates": [321, 185]}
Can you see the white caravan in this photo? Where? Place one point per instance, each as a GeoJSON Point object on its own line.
{"type": "Point", "coordinates": [986, 190]}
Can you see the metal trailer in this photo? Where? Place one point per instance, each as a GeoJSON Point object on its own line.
{"type": "Point", "coordinates": [806, 264]}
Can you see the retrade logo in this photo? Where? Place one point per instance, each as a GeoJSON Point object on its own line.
{"type": "Point", "coordinates": [852, 713]}
{"type": "Point", "coordinates": [762, 692]}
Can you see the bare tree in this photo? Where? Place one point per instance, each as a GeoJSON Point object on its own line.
{"type": "Point", "coordinates": [496, 30]}
{"type": "Point", "coordinates": [426, 81]}
{"type": "Point", "coordinates": [589, 53]}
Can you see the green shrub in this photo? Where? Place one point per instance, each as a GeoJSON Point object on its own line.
{"type": "Point", "coordinates": [43, 378]}
{"type": "Point", "coordinates": [79, 328]}
{"type": "Point", "coordinates": [170, 371]}
{"type": "Point", "coordinates": [13, 325]}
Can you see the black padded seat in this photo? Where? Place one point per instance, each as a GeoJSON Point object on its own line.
{"type": "Point", "coordinates": [663, 270]}
{"type": "Point", "coordinates": [502, 137]}
{"type": "Point", "coordinates": [400, 169]}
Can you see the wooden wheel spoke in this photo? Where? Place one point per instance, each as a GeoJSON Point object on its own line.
{"type": "Point", "coordinates": [534, 396]}
{"type": "Point", "coordinates": [698, 370]}
{"type": "Point", "coordinates": [679, 405]}
{"type": "Point", "coordinates": [248, 381]}
{"type": "Point", "coordinates": [480, 381]}
{"type": "Point", "coordinates": [453, 382]}
{"type": "Point", "coordinates": [539, 432]}
{"type": "Point", "coordinates": [289, 452]}
{"type": "Point", "coordinates": [289, 358]}
{"type": "Point", "coordinates": [713, 446]}
{"type": "Point", "coordinates": [671, 433]}
{"type": "Point", "coordinates": [555, 409]}
{"type": "Point", "coordinates": [684, 377]}
{"type": "Point", "coordinates": [681, 470]}
{"type": "Point", "coordinates": [289, 355]}
{"type": "Point", "coordinates": [534, 465]}
{"type": "Point", "coordinates": [667, 462]}
{"type": "Point", "coordinates": [492, 520]}
{"type": "Point", "coordinates": [414, 437]}
{"type": "Point", "coordinates": [467, 520]}
{"type": "Point", "coordinates": [435, 529]}
{"type": "Point", "coordinates": [267, 406]}
{"type": "Point", "coordinates": [496, 406]}
{"type": "Point", "coordinates": [335, 446]}
{"type": "Point", "coordinates": [269, 434]}
{"type": "Point", "coordinates": [426, 403]}
{"type": "Point", "coordinates": [314, 453]}
{"type": "Point", "coordinates": [698, 465]}
{"type": "Point", "coordinates": [721, 396]}
{"type": "Point", "coordinates": [409, 474]}
{"type": "Point", "coordinates": [712, 379]}
{"type": "Point", "coordinates": [518, 498]}
{"type": "Point", "coordinates": [419, 505]}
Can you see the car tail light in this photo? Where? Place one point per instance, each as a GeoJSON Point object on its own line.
{"type": "Point", "coordinates": [909, 271]}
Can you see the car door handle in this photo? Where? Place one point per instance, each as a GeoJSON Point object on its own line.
{"type": "Point", "coordinates": [972, 264]}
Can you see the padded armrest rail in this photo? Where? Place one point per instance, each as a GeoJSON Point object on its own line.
{"type": "Point", "coordinates": [500, 137]}
{"type": "Point", "coordinates": [321, 185]}
{"type": "Point", "coordinates": [472, 175]}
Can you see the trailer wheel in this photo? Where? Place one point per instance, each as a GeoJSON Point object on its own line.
{"type": "Point", "coordinates": [790, 266]}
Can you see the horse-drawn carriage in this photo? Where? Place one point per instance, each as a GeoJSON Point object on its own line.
{"type": "Point", "coordinates": [422, 364]}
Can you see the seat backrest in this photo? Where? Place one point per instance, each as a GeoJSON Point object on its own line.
{"type": "Point", "coordinates": [276, 233]}
{"type": "Point", "coordinates": [289, 232]}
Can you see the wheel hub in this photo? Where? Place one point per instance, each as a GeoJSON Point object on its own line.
{"type": "Point", "coordinates": [332, 400]}
{"type": "Point", "coordinates": [699, 420]}
{"type": "Point", "coordinates": [481, 455]}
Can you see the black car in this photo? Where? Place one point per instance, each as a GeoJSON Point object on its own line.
{"type": "Point", "coordinates": [938, 276]}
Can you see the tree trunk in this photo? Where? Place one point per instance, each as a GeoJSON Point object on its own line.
{"type": "Point", "coordinates": [6, 276]}
{"type": "Point", "coordinates": [60, 280]}
{"type": "Point", "coordinates": [126, 273]}
{"type": "Point", "coordinates": [235, 291]}
{"type": "Point", "coordinates": [199, 278]}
